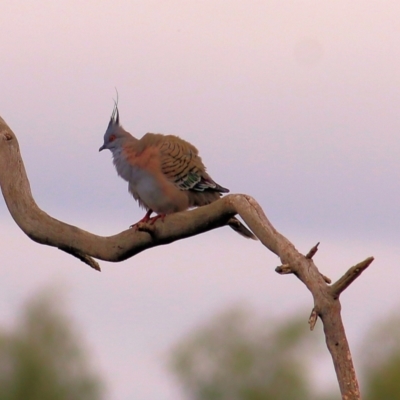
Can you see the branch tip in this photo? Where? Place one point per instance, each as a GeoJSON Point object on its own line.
{"type": "Point", "coordinates": [83, 257]}
{"type": "Point", "coordinates": [284, 269]}
{"type": "Point", "coordinates": [312, 251]}
{"type": "Point", "coordinates": [349, 277]}
{"type": "Point", "coordinates": [91, 262]}
{"type": "Point", "coordinates": [326, 279]}
{"type": "Point", "coordinates": [312, 320]}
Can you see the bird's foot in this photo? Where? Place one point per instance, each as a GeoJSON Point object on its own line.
{"type": "Point", "coordinates": [154, 219]}
{"type": "Point", "coordinates": [146, 220]}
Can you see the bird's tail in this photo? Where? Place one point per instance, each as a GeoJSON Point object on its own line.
{"type": "Point", "coordinates": [241, 229]}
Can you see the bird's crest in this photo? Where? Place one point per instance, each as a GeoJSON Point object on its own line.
{"type": "Point", "coordinates": [114, 120]}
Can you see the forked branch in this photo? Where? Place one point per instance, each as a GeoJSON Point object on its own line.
{"type": "Point", "coordinates": [86, 246]}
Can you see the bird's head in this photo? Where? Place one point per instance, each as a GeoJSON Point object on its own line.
{"type": "Point", "coordinates": [115, 133]}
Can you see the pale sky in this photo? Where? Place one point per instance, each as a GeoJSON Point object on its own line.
{"type": "Point", "coordinates": [295, 103]}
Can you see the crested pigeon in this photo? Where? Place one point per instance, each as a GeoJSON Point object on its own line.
{"type": "Point", "coordinates": [164, 173]}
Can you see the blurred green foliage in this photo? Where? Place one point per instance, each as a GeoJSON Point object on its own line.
{"type": "Point", "coordinates": [237, 356]}
{"type": "Point", "coordinates": [381, 360]}
{"type": "Point", "coordinates": [42, 357]}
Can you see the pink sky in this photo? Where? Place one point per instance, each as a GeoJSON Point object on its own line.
{"type": "Point", "coordinates": [295, 103]}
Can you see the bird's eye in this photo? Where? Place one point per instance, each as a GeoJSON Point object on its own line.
{"type": "Point", "coordinates": [111, 138]}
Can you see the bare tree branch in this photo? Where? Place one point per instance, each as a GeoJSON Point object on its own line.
{"type": "Point", "coordinates": [350, 276]}
{"type": "Point", "coordinates": [312, 251]}
{"type": "Point", "coordinates": [312, 320]}
{"type": "Point", "coordinates": [86, 246]}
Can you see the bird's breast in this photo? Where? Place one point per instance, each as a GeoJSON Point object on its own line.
{"type": "Point", "coordinates": [151, 192]}
{"type": "Point", "coordinates": [148, 185]}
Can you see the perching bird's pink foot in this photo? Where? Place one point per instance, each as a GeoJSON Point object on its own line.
{"type": "Point", "coordinates": [148, 220]}
{"type": "Point", "coordinates": [158, 216]}
{"type": "Point", "coordinates": [144, 220]}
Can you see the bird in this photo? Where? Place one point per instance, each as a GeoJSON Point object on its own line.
{"type": "Point", "coordinates": [165, 173]}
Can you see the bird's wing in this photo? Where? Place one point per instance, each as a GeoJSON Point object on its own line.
{"type": "Point", "coordinates": [181, 164]}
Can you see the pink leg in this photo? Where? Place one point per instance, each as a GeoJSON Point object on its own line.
{"type": "Point", "coordinates": [145, 219]}
{"type": "Point", "coordinates": [154, 219]}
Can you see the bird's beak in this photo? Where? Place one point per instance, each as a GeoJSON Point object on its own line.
{"type": "Point", "coordinates": [102, 147]}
